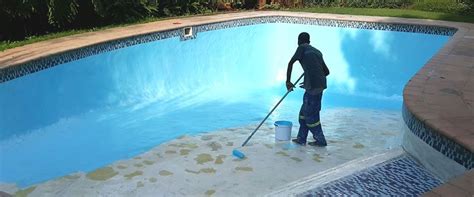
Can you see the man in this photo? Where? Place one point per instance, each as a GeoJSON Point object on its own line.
{"type": "Point", "coordinates": [315, 72]}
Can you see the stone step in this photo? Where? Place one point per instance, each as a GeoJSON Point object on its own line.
{"type": "Point", "coordinates": [390, 173]}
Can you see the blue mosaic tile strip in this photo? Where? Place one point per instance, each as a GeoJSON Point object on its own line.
{"type": "Point", "coordinates": [11, 73]}
{"type": "Point", "coordinates": [401, 176]}
{"type": "Point", "coordinates": [437, 30]}
{"type": "Point", "coordinates": [41, 64]}
{"type": "Point", "coordinates": [440, 143]}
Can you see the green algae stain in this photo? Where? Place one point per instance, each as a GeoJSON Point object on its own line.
{"type": "Point", "coordinates": [296, 159]}
{"type": "Point", "coordinates": [140, 184]}
{"type": "Point", "coordinates": [358, 145]}
{"type": "Point", "coordinates": [165, 173]}
{"type": "Point", "coordinates": [133, 174]}
{"type": "Point", "coordinates": [138, 165]}
{"type": "Point", "coordinates": [210, 192]}
{"type": "Point", "coordinates": [185, 145]}
{"type": "Point", "coordinates": [72, 177]}
{"type": "Point", "coordinates": [239, 160]}
{"type": "Point", "coordinates": [220, 159]}
{"type": "Point", "coordinates": [268, 146]}
{"type": "Point", "coordinates": [207, 137]}
{"type": "Point", "coordinates": [170, 152]}
{"type": "Point", "coordinates": [148, 162]}
{"type": "Point", "coordinates": [181, 137]}
{"type": "Point", "coordinates": [246, 169]}
{"type": "Point", "coordinates": [215, 146]}
{"type": "Point", "coordinates": [137, 158]}
{"type": "Point", "coordinates": [121, 167]}
{"type": "Point", "coordinates": [282, 153]}
{"type": "Point", "coordinates": [223, 139]}
{"type": "Point", "coordinates": [102, 174]}
{"type": "Point", "coordinates": [208, 170]}
{"type": "Point", "coordinates": [191, 171]}
{"type": "Point", "coordinates": [203, 158]}
{"type": "Point", "coordinates": [24, 192]}
{"type": "Point", "coordinates": [153, 180]}
{"type": "Point", "coordinates": [191, 146]}
{"type": "Point", "coordinates": [317, 158]}
{"type": "Point", "coordinates": [184, 151]}
{"type": "Point", "coordinates": [158, 155]}
{"type": "Point", "coordinates": [230, 144]}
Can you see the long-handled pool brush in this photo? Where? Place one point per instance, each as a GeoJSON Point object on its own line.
{"type": "Point", "coordinates": [240, 154]}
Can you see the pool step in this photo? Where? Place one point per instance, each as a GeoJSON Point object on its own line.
{"type": "Point", "coordinates": [390, 173]}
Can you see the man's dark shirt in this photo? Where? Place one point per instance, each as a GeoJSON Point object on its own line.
{"type": "Point", "coordinates": [315, 70]}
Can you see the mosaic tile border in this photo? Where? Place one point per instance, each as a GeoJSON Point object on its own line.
{"type": "Point", "coordinates": [401, 176]}
{"type": "Point", "coordinates": [13, 72]}
{"type": "Point", "coordinates": [446, 146]}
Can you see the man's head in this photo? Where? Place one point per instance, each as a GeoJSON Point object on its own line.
{"type": "Point", "coordinates": [303, 38]}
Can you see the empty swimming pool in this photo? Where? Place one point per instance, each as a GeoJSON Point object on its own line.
{"type": "Point", "coordinates": [88, 113]}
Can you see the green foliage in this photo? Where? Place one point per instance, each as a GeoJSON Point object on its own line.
{"type": "Point", "coordinates": [250, 4]}
{"type": "Point", "coordinates": [448, 6]}
{"type": "Point", "coordinates": [15, 9]}
{"type": "Point", "coordinates": [273, 6]}
{"type": "Point", "coordinates": [122, 10]}
{"type": "Point", "coordinates": [403, 13]}
{"type": "Point", "coordinates": [358, 3]}
{"type": "Point", "coordinates": [467, 7]}
{"type": "Point", "coordinates": [237, 5]}
{"type": "Point", "coordinates": [21, 19]}
{"type": "Point", "coordinates": [62, 12]}
{"type": "Point", "coordinates": [185, 7]}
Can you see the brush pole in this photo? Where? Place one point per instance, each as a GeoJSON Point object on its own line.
{"type": "Point", "coordinates": [268, 115]}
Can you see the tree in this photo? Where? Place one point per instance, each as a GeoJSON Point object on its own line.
{"type": "Point", "coordinates": [61, 13]}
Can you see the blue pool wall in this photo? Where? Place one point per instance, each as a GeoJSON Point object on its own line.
{"type": "Point", "coordinates": [439, 142]}
{"type": "Point", "coordinates": [71, 98]}
{"type": "Point", "coordinates": [16, 71]}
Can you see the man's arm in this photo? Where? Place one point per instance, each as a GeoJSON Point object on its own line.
{"type": "Point", "coordinates": [297, 56]}
{"type": "Point", "coordinates": [325, 68]}
{"type": "Point", "coordinates": [289, 85]}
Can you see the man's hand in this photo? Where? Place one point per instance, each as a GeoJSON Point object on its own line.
{"type": "Point", "coordinates": [289, 86]}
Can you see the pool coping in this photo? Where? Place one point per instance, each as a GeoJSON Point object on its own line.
{"type": "Point", "coordinates": [440, 96]}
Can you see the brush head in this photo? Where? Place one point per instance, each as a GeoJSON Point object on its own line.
{"type": "Point", "coordinates": [238, 154]}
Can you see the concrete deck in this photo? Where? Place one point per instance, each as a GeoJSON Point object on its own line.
{"type": "Point", "coordinates": [441, 94]}
{"type": "Point", "coordinates": [459, 186]}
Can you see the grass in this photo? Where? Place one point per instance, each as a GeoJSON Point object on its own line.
{"type": "Point", "coordinates": [403, 13]}
{"type": "Point", "coordinates": [8, 45]}
{"type": "Point", "coordinates": [4, 45]}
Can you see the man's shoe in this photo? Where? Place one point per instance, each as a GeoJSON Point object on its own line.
{"type": "Point", "coordinates": [298, 142]}
{"type": "Point", "coordinates": [317, 144]}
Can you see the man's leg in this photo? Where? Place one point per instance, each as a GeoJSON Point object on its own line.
{"type": "Point", "coordinates": [313, 120]}
{"type": "Point", "coordinates": [317, 131]}
{"type": "Point", "coordinates": [303, 131]}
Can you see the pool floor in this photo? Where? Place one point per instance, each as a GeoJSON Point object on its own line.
{"type": "Point", "coordinates": [203, 164]}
